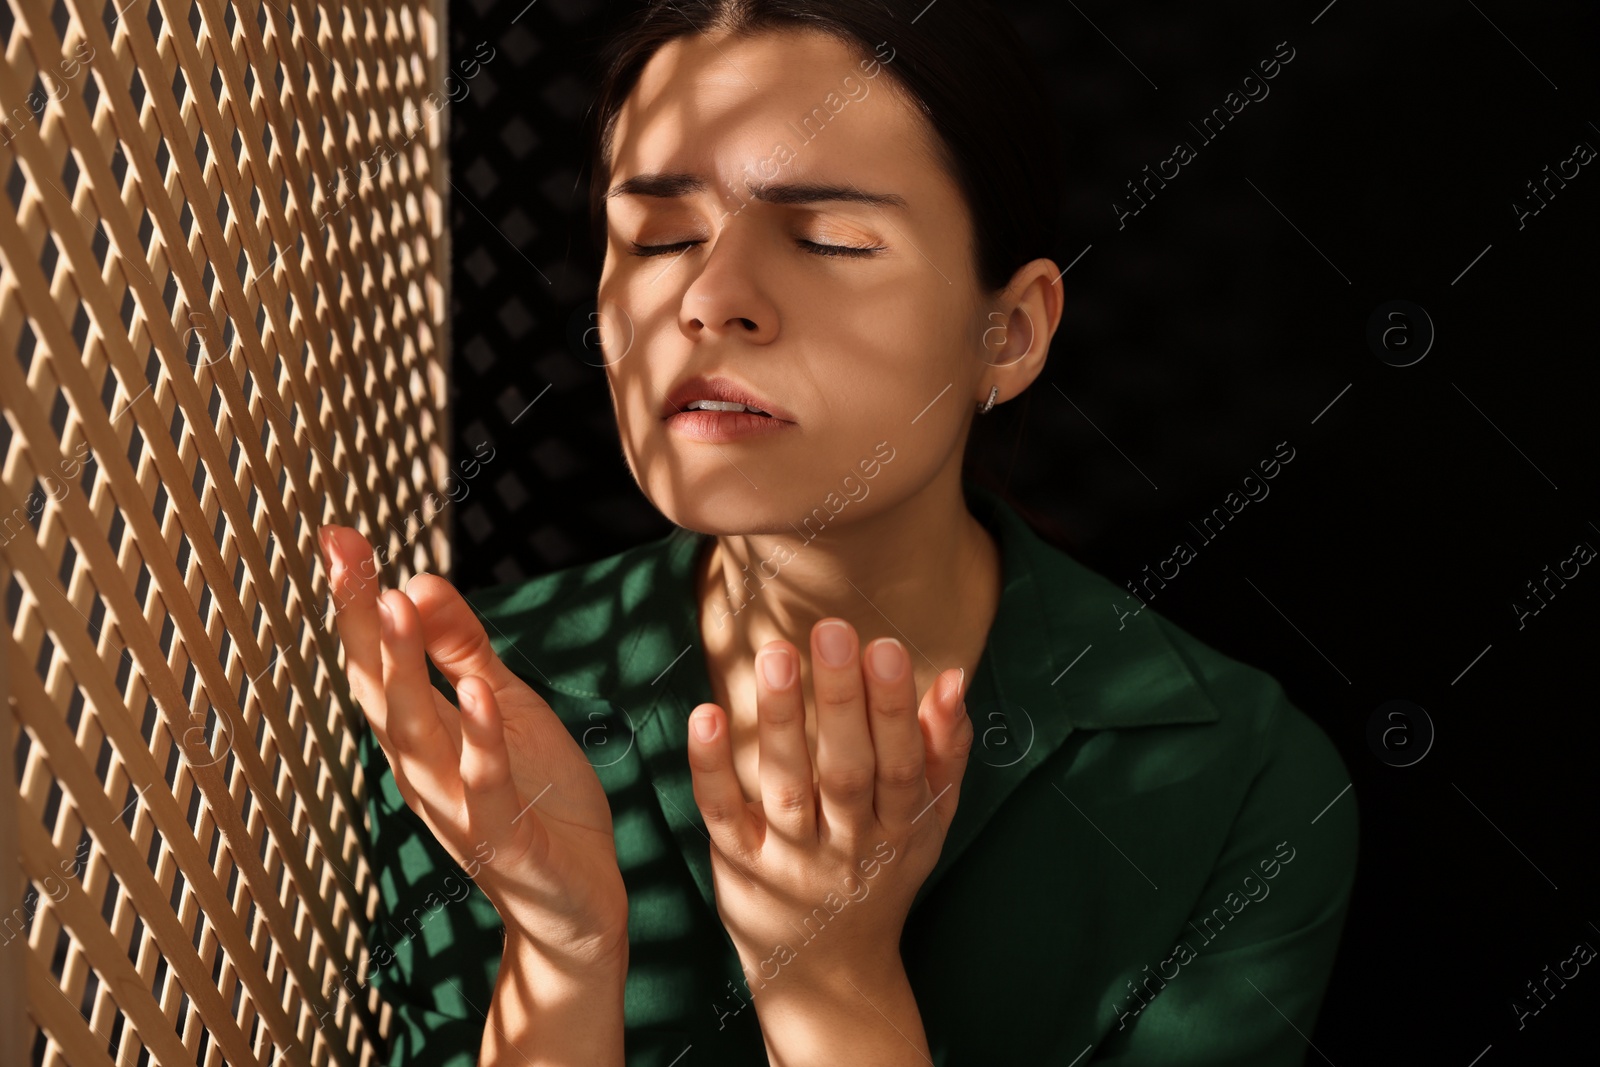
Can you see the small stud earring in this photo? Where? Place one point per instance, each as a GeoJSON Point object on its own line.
{"type": "Point", "coordinates": [984, 408]}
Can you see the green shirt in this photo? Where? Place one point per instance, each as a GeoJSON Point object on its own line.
{"type": "Point", "coordinates": [1150, 863]}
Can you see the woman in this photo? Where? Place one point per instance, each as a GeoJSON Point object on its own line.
{"type": "Point", "coordinates": [736, 768]}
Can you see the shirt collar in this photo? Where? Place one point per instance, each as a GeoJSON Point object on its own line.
{"type": "Point", "coordinates": [1060, 656]}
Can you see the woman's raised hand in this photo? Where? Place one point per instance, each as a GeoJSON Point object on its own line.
{"type": "Point", "coordinates": [850, 852]}
{"type": "Point", "coordinates": [501, 783]}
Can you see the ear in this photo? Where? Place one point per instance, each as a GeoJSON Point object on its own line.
{"type": "Point", "coordinates": [1023, 320]}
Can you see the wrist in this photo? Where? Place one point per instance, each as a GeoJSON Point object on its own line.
{"type": "Point", "coordinates": [796, 975]}
{"type": "Point", "coordinates": [836, 1013]}
{"type": "Point", "coordinates": [553, 1009]}
{"type": "Point", "coordinates": [577, 963]}
{"type": "Point", "coordinates": [592, 931]}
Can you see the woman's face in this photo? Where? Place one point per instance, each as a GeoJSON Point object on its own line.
{"type": "Point", "coordinates": [858, 322]}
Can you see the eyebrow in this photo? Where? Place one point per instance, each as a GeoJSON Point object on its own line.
{"type": "Point", "coordinates": [672, 185]}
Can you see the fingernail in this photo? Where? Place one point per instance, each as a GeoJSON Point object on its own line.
{"type": "Point", "coordinates": [705, 727]}
{"type": "Point", "coordinates": [833, 641]}
{"type": "Point", "coordinates": [887, 660]}
{"type": "Point", "coordinates": [953, 692]}
{"type": "Point", "coordinates": [385, 618]}
{"type": "Point", "coordinates": [777, 667]}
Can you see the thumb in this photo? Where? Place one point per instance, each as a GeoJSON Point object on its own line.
{"type": "Point", "coordinates": [947, 734]}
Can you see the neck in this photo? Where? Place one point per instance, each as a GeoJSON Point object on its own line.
{"type": "Point", "coordinates": [925, 571]}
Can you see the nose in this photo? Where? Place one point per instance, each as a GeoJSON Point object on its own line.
{"type": "Point", "coordinates": [729, 296]}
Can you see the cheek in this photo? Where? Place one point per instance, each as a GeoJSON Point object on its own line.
{"type": "Point", "coordinates": [613, 327]}
{"type": "Point", "coordinates": [631, 431]}
{"type": "Point", "coordinates": [631, 403]}
{"type": "Point", "coordinates": [905, 352]}
{"type": "Point", "coordinates": [638, 381]}
{"type": "Point", "coordinates": [620, 344]}
{"type": "Point", "coordinates": [876, 348]}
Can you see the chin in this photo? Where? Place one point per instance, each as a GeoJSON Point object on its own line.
{"type": "Point", "coordinates": [725, 510]}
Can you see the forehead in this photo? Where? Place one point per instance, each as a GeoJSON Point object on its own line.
{"type": "Point", "coordinates": [802, 100]}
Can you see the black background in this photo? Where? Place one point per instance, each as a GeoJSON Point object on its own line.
{"type": "Point", "coordinates": [1228, 316]}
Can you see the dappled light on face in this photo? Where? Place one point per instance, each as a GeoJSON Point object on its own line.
{"type": "Point", "coordinates": [878, 343]}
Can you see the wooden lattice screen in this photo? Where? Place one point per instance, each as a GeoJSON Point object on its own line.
{"type": "Point", "coordinates": [223, 294]}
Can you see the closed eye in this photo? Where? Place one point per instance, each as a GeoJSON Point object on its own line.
{"type": "Point", "coordinates": [659, 250]}
{"type": "Point", "coordinates": [814, 247]}
{"type": "Point", "coordinates": [838, 250]}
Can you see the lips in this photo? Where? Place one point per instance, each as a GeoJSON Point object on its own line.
{"type": "Point", "coordinates": [720, 388]}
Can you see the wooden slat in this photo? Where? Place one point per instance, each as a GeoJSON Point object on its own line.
{"type": "Point", "coordinates": [13, 947]}
{"type": "Point", "coordinates": [126, 611]}
{"type": "Point", "coordinates": [140, 884]}
{"type": "Point", "coordinates": [164, 575]}
{"type": "Point", "coordinates": [69, 1031]}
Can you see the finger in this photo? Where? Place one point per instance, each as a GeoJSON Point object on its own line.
{"type": "Point", "coordinates": [845, 760]}
{"type": "Point", "coordinates": [353, 584]}
{"type": "Point", "coordinates": [788, 798]}
{"type": "Point", "coordinates": [353, 619]}
{"type": "Point", "coordinates": [900, 782]}
{"type": "Point", "coordinates": [497, 815]}
{"type": "Point", "coordinates": [947, 733]}
{"type": "Point", "coordinates": [848, 776]}
{"type": "Point", "coordinates": [717, 791]}
{"type": "Point", "coordinates": [454, 636]}
{"type": "Point", "coordinates": [421, 744]}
